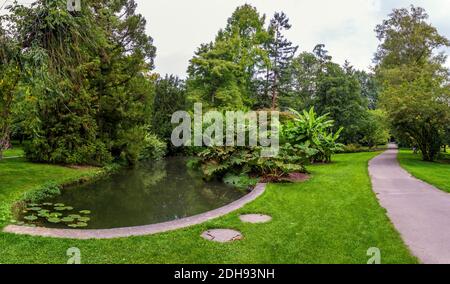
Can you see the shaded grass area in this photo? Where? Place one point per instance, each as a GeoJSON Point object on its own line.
{"type": "Point", "coordinates": [436, 173]}
{"type": "Point", "coordinates": [332, 218]}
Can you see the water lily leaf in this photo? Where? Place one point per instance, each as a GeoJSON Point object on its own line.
{"type": "Point", "coordinates": [25, 211]}
{"type": "Point", "coordinates": [55, 215]}
{"type": "Point", "coordinates": [60, 208]}
{"type": "Point", "coordinates": [85, 212]}
{"type": "Point", "coordinates": [59, 205]}
{"type": "Point", "coordinates": [67, 220]}
{"type": "Point", "coordinates": [47, 204]}
{"type": "Point", "coordinates": [21, 223]}
{"type": "Point", "coordinates": [54, 220]}
{"type": "Point", "coordinates": [44, 215]}
{"type": "Point", "coordinates": [84, 219]}
{"type": "Point", "coordinates": [78, 225]}
{"type": "Point", "coordinates": [13, 221]}
{"type": "Point", "coordinates": [75, 216]}
{"type": "Point", "coordinates": [68, 208]}
{"type": "Point", "coordinates": [30, 218]}
{"type": "Point", "coordinates": [33, 205]}
{"type": "Point", "coordinates": [82, 224]}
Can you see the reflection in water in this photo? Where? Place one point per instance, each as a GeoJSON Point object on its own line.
{"type": "Point", "coordinates": [150, 193]}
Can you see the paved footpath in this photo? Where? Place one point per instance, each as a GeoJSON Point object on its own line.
{"type": "Point", "coordinates": [419, 211]}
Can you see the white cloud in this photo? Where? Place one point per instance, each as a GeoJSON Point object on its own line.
{"type": "Point", "coordinates": [345, 26]}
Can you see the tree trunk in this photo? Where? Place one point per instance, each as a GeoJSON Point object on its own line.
{"type": "Point", "coordinates": [274, 93]}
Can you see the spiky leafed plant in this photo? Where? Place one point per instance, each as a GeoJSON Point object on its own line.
{"type": "Point", "coordinates": [310, 128]}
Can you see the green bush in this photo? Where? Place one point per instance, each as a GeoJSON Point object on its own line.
{"type": "Point", "coordinates": [154, 148]}
{"type": "Point", "coordinates": [217, 162]}
{"type": "Point", "coordinates": [314, 131]}
{"type": "Point", "coordinates": [240, 181]}
{"type": "Point", "coordinates": [353, 148]}
{"type": "Point", "coordinates": [45, 192]}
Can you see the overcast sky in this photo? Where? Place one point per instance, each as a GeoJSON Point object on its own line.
{"type": "Point", "coordinates": [346, 27]}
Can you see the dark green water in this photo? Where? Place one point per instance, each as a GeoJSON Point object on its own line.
{"type": "Point", "coordinates": [151, 193]}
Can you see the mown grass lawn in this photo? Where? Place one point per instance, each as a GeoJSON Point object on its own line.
{"type": "Point", "coordinates": [332, 218]}
{"type": "Point", "coordinates": [437, 173]}
{"type": "Point", "coordinates": [15, 152]}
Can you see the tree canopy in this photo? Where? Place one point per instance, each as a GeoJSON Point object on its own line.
{"type": "Point", "coordinates": [415, 87]}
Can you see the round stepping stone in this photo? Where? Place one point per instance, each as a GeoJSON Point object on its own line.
{"type": "Point", "coordinates": [222, 235]}
{"type": "Point", "coordinates": [255, 218]}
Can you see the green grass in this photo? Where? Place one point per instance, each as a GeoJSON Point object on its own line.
{"type": "Point", "coordinates": [437, 173]}
{"type": "Point", "coordinates": [332, 218]}
{"type": "Point", "coordinates": [15, 152]}
{"type": "Point", "coordinates": [18, 176]}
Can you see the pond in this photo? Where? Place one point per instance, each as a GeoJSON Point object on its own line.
{"type": "Point", "coordinates": [150, 193]}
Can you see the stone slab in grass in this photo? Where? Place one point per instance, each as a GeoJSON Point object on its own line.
{"type": "Point", "coordinates": [255, 218]}
{"type": "Point", "coordinates": [222, 235]}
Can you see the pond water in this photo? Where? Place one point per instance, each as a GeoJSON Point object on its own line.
{"type": "Point", "coordinates": [150, 193]}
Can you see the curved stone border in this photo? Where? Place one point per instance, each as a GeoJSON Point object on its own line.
{"type": "Point", "coordinates": [140, 230]}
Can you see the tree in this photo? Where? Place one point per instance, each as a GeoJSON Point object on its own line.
{"type": "Point", "coordinates": [369, 88]}
{"type": "Point", "coordinates": [413, 79]}
{"type": "Point", "coordinates": [170, 97]}
{"type": "Point", "coordinates": [339, 95]}
{"type": "Point", "coordinates": [304, 71]}
{"type": "Point", "coordinates": [10, 75]}
{"type": "Point", "coordinates": [375, 128]}
{"type": "Point", "coordinates": [222, 74]}
{"type": "Point", "coordinates": [89, 83]}
{"type": "Point", "coordinates": [281, 52]}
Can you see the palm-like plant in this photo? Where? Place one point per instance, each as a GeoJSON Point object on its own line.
{"type": "Point", "coordinates": [307, 127]}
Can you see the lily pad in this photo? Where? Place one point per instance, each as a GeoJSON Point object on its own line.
{"type": "Point", "coordinates": [47, 204]}
{"type": "Point", "coordinates": [60, 208]}
{"type": "Point", "coordinates": [81, 224]}
{"type": "Point", "coordinates": [84, 219]}
{"type": "Point", "coordinates": [30, 218]}
{"type": "Point", "coordinates": [55, 215]}
{"type": "Point", "coordinates": [74, 216]}
{"type": "Point", "coordinates": [13, 221]}
{"type": "Point", "coordinates": [78, 225]}
{"type": "Point", "coordinates": [54, 220]}
{"type": "Point", "coordinates": [44, 215]}
{"type": "Point", "coordinates": [67, 220]}
{"type": "Point", "coordinates": [59, 205]}
{"type": "Point", "coordinates": [85, 212]}
{"type": "Point", "coordinates": [33, 205]}
{"type": "Point", "coordinates": [69, 208]}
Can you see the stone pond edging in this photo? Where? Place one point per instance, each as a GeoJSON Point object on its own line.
{"type": "Point", "coordinates": [139, 230]}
